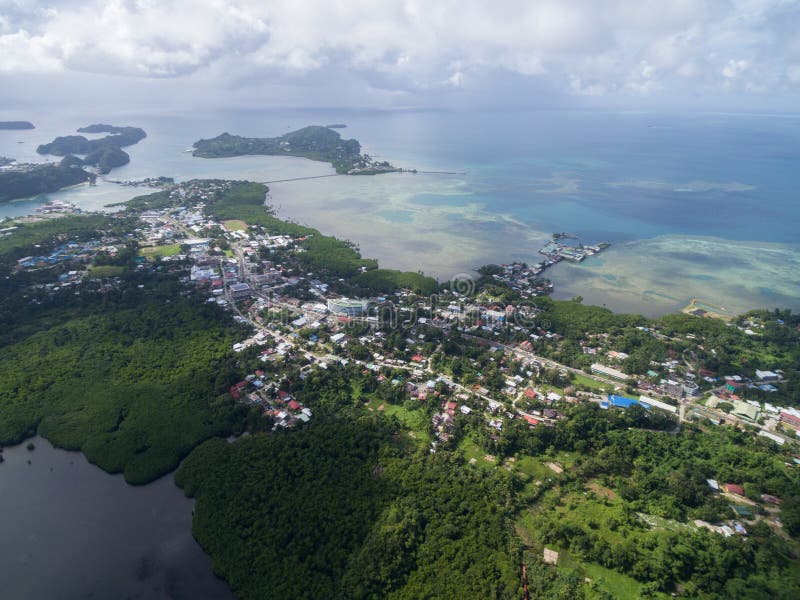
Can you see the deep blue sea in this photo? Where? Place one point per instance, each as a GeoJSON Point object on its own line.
{"type": "Point", "coordinates": [695, 205]}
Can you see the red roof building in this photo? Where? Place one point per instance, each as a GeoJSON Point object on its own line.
{"type": "Point", "coordinates": [733, 488]}
{"type": "Point", "coordinates": [294, 405]}
{"type": "Point", "coordinates": [791, 420]}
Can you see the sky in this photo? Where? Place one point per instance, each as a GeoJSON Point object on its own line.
{"type": "Point", "coordinates": [703, 54]}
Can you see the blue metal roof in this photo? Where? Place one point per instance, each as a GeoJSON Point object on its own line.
{"type": "Point", "coordinates": [622, 401]}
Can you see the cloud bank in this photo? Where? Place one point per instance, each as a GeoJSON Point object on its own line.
{"type": "Point", "coordinates": [411, 48]}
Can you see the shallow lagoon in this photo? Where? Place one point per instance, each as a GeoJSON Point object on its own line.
{"type": "Point", "coordinates": [648, 183]}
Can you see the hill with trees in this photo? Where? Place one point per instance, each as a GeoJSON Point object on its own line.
{"type": "Point", "coordinates": [41, 179]}
{"type": "Point", "coordinates": [105, 153]}
{"type": "Point", "coordinates": [313, 142]}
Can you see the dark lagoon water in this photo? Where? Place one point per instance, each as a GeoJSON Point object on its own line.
{"type": "Point", "coordinates": [71, 531]}
{"type": "Point", "coordinates": [697, 206]}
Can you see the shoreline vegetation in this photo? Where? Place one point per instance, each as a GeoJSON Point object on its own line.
{"type": "Point", "coordinates": [134, 367]}
{"type": "Point", "coordinates": [30, 180]}
{"type": "Point", "coordinates": [141, 394]}
{"type": "Point", "coordinates": [314, 142]}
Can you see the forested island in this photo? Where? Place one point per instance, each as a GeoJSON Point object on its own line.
{"type": "Point", "coordinates": [104, 153]}
{"type": "Point", "coordinates": [30, 180]}
{"type": "Point", "coordinates": [15, 125]}
{"type": "Point", "coordinates": [313, 142]}
{"type": "Point", "coordinates": [430, 447]}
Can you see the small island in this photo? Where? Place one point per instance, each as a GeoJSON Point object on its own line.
{"type": "Point", "coordinates": [313, 142]}
{"type": "Point", "coordinates": [26, 180]}
{"type": "Point", "coordinates": [16, 125]}
{"type": "Point", "coordinates": [104, 153]}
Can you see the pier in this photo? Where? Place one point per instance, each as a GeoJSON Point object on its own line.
{"type": "Point", "coordinates": [555, 251]}
{"type": "Point", "coordinates": [435, 172]}
{"type": "Point", "coordinates": [302, 178]}
{"type": "Point", "coordinates": [412, 171]}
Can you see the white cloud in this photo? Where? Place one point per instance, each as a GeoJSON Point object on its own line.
{"type": "Point", "coordinates": [584, 47]}
{"type": "Point", "coordinates": [735, 68]}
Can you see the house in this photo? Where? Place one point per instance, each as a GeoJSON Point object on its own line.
{"type": "Point", "coordinates": [553, 397]}
{"type": "Point", "coordinates": [733, 488]}
{"type": "Point", "coordinates": [771, 436]}
{"type": "Point", "coordinates": [791, 418]}
{"type": "Point", "coordinates": [767, 375]}
{"type": "Point", "coordinates": [621, 401]}
{"type": "Point", "coordinates": [239, 290]}
{"type": "Point", "coordinates": [650, 402]}
{"type": "Point", "coordinates": [465, 409]}
{"type": "Point", "coordinates": [742, 511]}
{"type": "Point", "coordinates": [604, 371]}
{"type": "Point", "coordinates": [746, 411]}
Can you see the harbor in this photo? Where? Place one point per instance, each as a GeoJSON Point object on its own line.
{"type": "Point", "coordinates": [57, 208]}
{"type": "Point", "coordinates": [557, 249]}
{"type": "Point", "coordinates": [527, 280]}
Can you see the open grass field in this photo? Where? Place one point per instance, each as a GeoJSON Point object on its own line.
{"type": "Point", "coordinates": [414, 421]}
{"type": "Point", "coordinates": [472, 450]}
{"type": "Point", "coordinates": [533, 468]}
{"type": "Point", "coordinates": [591, 384]}
{"type": "Point", "coordinates": [606, 580]}
{"type": "Point", "coordinates": [235, 225]}
{"type": "Point", "coordinates": [162, 251]}
{"type": "Point", "coordinates": [102, 271]}
{"type": "Point", "coordinates": [583, 511]}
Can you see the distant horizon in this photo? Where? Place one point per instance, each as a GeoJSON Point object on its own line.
{"type": "Point", "coordinates": [17, 113]}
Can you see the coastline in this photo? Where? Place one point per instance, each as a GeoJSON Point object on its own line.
{"type": "Point", "coordinates": [44, 194]}
{"type": "Point", "coordinates": [388, 221]}
{"type": "Point", "coordinates": [451, 224]}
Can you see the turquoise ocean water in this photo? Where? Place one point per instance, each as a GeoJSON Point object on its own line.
{"type": "Point", "coordinates": [696, 206]}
